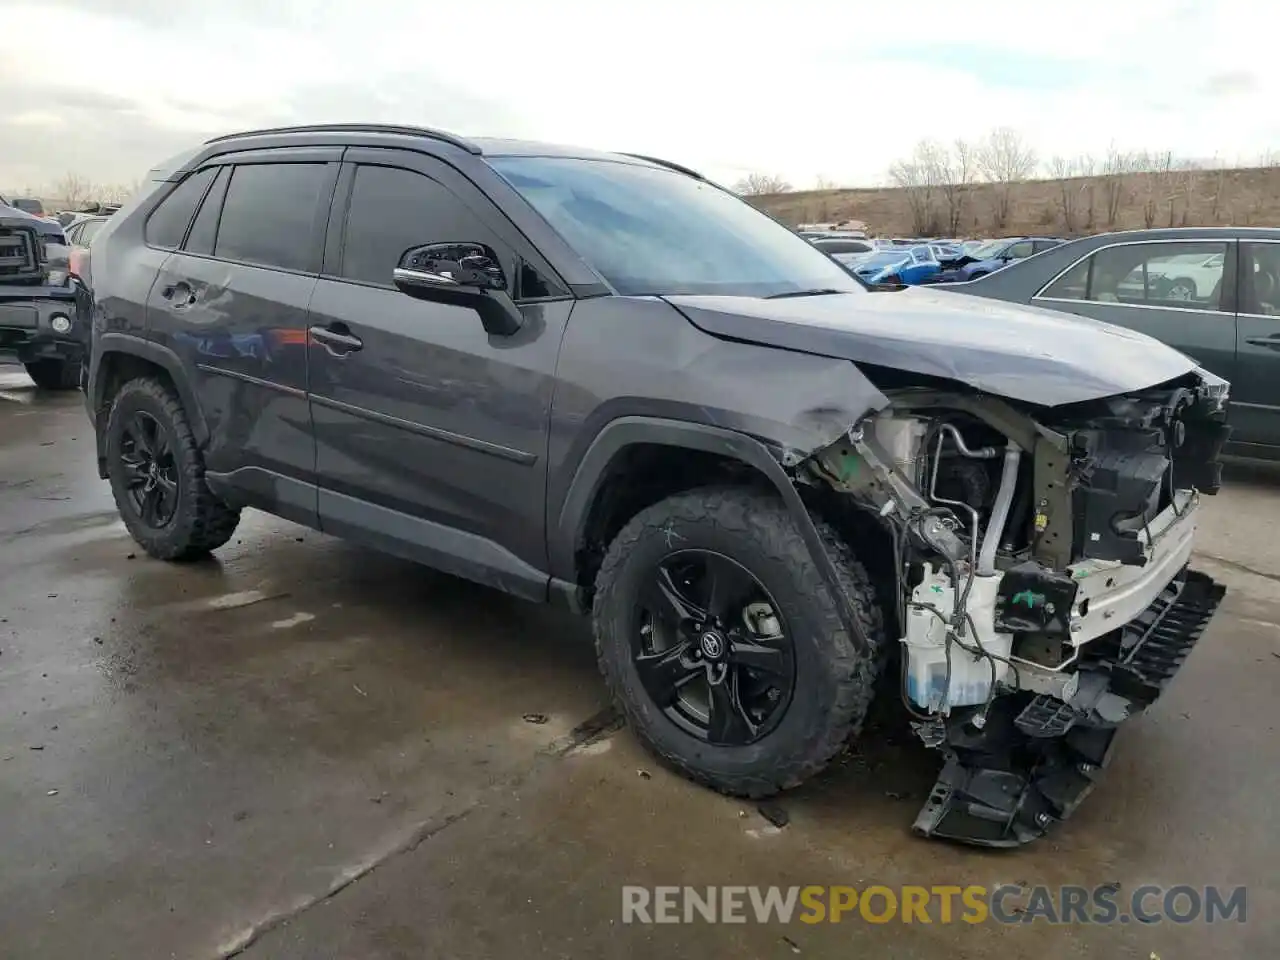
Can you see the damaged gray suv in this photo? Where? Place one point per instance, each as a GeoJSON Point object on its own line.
{"type": "Point", "coordinates": [601, 380]}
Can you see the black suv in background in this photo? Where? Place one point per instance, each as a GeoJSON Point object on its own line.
{"type": "Point", "coordinates": [39, 323]}
{"type": "Point", "coordinates": [601, 379]}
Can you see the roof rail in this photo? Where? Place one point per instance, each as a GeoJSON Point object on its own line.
{"type": "Point", "coordinates": [668, 164]}
{"type": "Point", "coordinates": [358, 128]}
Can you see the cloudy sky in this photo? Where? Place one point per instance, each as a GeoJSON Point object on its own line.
{"type": "Point", "coordinates": [800, 88]}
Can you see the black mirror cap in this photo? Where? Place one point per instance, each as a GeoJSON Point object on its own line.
{"type": "Point", "coordinates": [450, 265]}
{"type": "Point", "coordinates": [464, 275]}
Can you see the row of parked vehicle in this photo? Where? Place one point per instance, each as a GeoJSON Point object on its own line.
{"type": "Point", "coordinates": [923, 261]}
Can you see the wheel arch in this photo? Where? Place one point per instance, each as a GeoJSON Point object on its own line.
{"type": "Point", "coordinates": [701, 444]}
{"type": "Point", "coordinates": [119, 358]}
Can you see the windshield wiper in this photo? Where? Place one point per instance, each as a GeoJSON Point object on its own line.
{"type": "Point", "coordinates": [820, 292]}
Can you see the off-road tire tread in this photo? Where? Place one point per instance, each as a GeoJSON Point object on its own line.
{"type": "Point", "coordinates": [213, 521]}
{"type": "Point", "coordinates": [764, 516]}
{"type": "Point", "coordinates": [52, 374]}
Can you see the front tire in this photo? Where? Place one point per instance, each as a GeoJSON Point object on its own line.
{"type": "Point", "coordinates": [53, 374]}
{"type": "Point", "coordinates": [157, 475]}
{"type": "Point", "coordinates": [745, 687]}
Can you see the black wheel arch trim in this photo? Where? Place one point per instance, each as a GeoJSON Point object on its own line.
{"type": "Point", "coordinates": [628, 431]}
{"type": "Point", "coordinates": [123, 343]}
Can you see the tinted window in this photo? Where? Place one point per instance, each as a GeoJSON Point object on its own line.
{"type": "Point", "coordinates": [654, 231]}
{"type": "Point", "coordinates": [1019, 250]}
{"type": "Point", "coordinates": [205, 229]}
{"type": "Point", "coordinates": [167, 224]}
{"type": "Point", "coordinates": [1260, 291]}
{"type": "Point", "coordinates": [1147, 274]}
{"type": "Point", "coordinates": [269, 215]}
{"type": "Point", "coordinates": [392, 210]}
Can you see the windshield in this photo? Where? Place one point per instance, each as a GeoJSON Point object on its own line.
{"type": "Point", "coordinates": [651, 231]}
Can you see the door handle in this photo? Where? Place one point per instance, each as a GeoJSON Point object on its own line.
{"type": "Point", "coordinates": [179, 294]}
{"type": "Point", "coordinates": [1271, 343]}
{"type": "Point", "coordinates": [337, 339]}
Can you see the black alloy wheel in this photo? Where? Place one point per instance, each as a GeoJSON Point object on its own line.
{"type": "Point", "coordinates": [711, 648]}
{"type": "Point", "coordinates": [150, 470]}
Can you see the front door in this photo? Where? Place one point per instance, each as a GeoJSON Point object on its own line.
{"type": "Point", "coordinates": [431, 434]}
{"type": "Point", "coordinates": [1255, 389]}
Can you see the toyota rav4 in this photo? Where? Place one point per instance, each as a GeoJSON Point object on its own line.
{"type": "Point", "coordinates": [601, 379]}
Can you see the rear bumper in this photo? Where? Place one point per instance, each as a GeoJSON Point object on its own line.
{"type": "Point", "coordinates": [26, 327]}
{"type": "Point", "coordinates": [1037, 757]}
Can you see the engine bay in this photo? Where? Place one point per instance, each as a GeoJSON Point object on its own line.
{"type": "Point", "coordinates": [1027, 544]}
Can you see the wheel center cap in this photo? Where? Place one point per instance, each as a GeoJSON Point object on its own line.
{"type": "Point", "coordinates": [713, 645]}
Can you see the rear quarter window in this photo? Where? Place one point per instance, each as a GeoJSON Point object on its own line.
{"type": "Point", "coordinates": [168, 222]}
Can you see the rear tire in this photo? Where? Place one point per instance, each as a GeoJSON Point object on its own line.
{"type": "Point", "coordinates": [169, 509]}
{"type": "Point", "coordinates": [833, 682]}
{"type": "Point", "coordinates": [51, 374]}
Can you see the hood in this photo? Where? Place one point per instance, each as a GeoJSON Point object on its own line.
{"type": "Point", "coordinates": [1021, 353]}
{"type": "Point", "coordinates": [13, 217]}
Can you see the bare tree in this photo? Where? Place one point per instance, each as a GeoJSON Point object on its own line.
{"type": "Point", "coordinates": [1116, 166]}
{"type": "Point", "coordinates": [116, 192]}
{"type": "Point", "coordinates": [760, 184]}
{"type": "Point", "coordinates": [959, 169]}
{"type": "Point", "coordinates": [1005, 160]}
{"type": "Point", "coordinates": [824, 183]}
{"type": "Point", "coordinates": [920, 177]}
{"type": "Point", "coordinates": [1064, 170]}
{"type": "Point", "coordinates": [72, 190]}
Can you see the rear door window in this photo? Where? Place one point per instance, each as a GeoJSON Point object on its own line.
{"type": "Point", "coordinates": [269, 215]}
{"type": "Point", "coordinates": [167, 225]}
{"type": "Point", "coordinates": [1187, 275]}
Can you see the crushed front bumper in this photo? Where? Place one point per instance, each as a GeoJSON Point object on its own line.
{"type": "Point", "coordinates": [1036, 757]}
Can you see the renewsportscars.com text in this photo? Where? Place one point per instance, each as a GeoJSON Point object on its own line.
{"type": "Point", "coordinates": [1104, 904]}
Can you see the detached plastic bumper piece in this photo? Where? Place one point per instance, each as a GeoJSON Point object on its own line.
{"type": "Point", "coordinates": [1036, 758]}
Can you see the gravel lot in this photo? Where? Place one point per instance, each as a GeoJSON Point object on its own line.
{"type": "Point", "coordinates": [304, 749]}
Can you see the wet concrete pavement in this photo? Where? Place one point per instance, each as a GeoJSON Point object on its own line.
{"type": "Point", "coordinates": [305, 749]}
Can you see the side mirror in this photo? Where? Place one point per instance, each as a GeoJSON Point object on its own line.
{"type": "Point", "coordinates": [464, 275]}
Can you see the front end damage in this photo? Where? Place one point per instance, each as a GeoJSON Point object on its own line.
{"type": "Point", "coordinates": [1041, 578]}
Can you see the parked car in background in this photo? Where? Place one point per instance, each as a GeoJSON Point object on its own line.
{"type": "Point", "coordinates": [79, 235]}
{"type": "Point", "coordinates": [994, 255]}
{"type": "Point", "coordinates": [909, 265]}
{"type": "Point", "coordinates": [28, 205]}
{"type": "Point", "coordinates": [38, 302]}
{"type": "Point", "coordinates": [1211, 292]}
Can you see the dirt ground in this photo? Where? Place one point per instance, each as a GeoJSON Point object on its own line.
{"type": "Point", "coordinates": [304, 749]}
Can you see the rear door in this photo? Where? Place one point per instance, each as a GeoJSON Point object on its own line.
{"type": "Point", "coordinates": [1181, 292]}
{"type": "Point", "coordinates": [1255, 389]}
{"type": "Point", "coordinates": [232, 303]}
